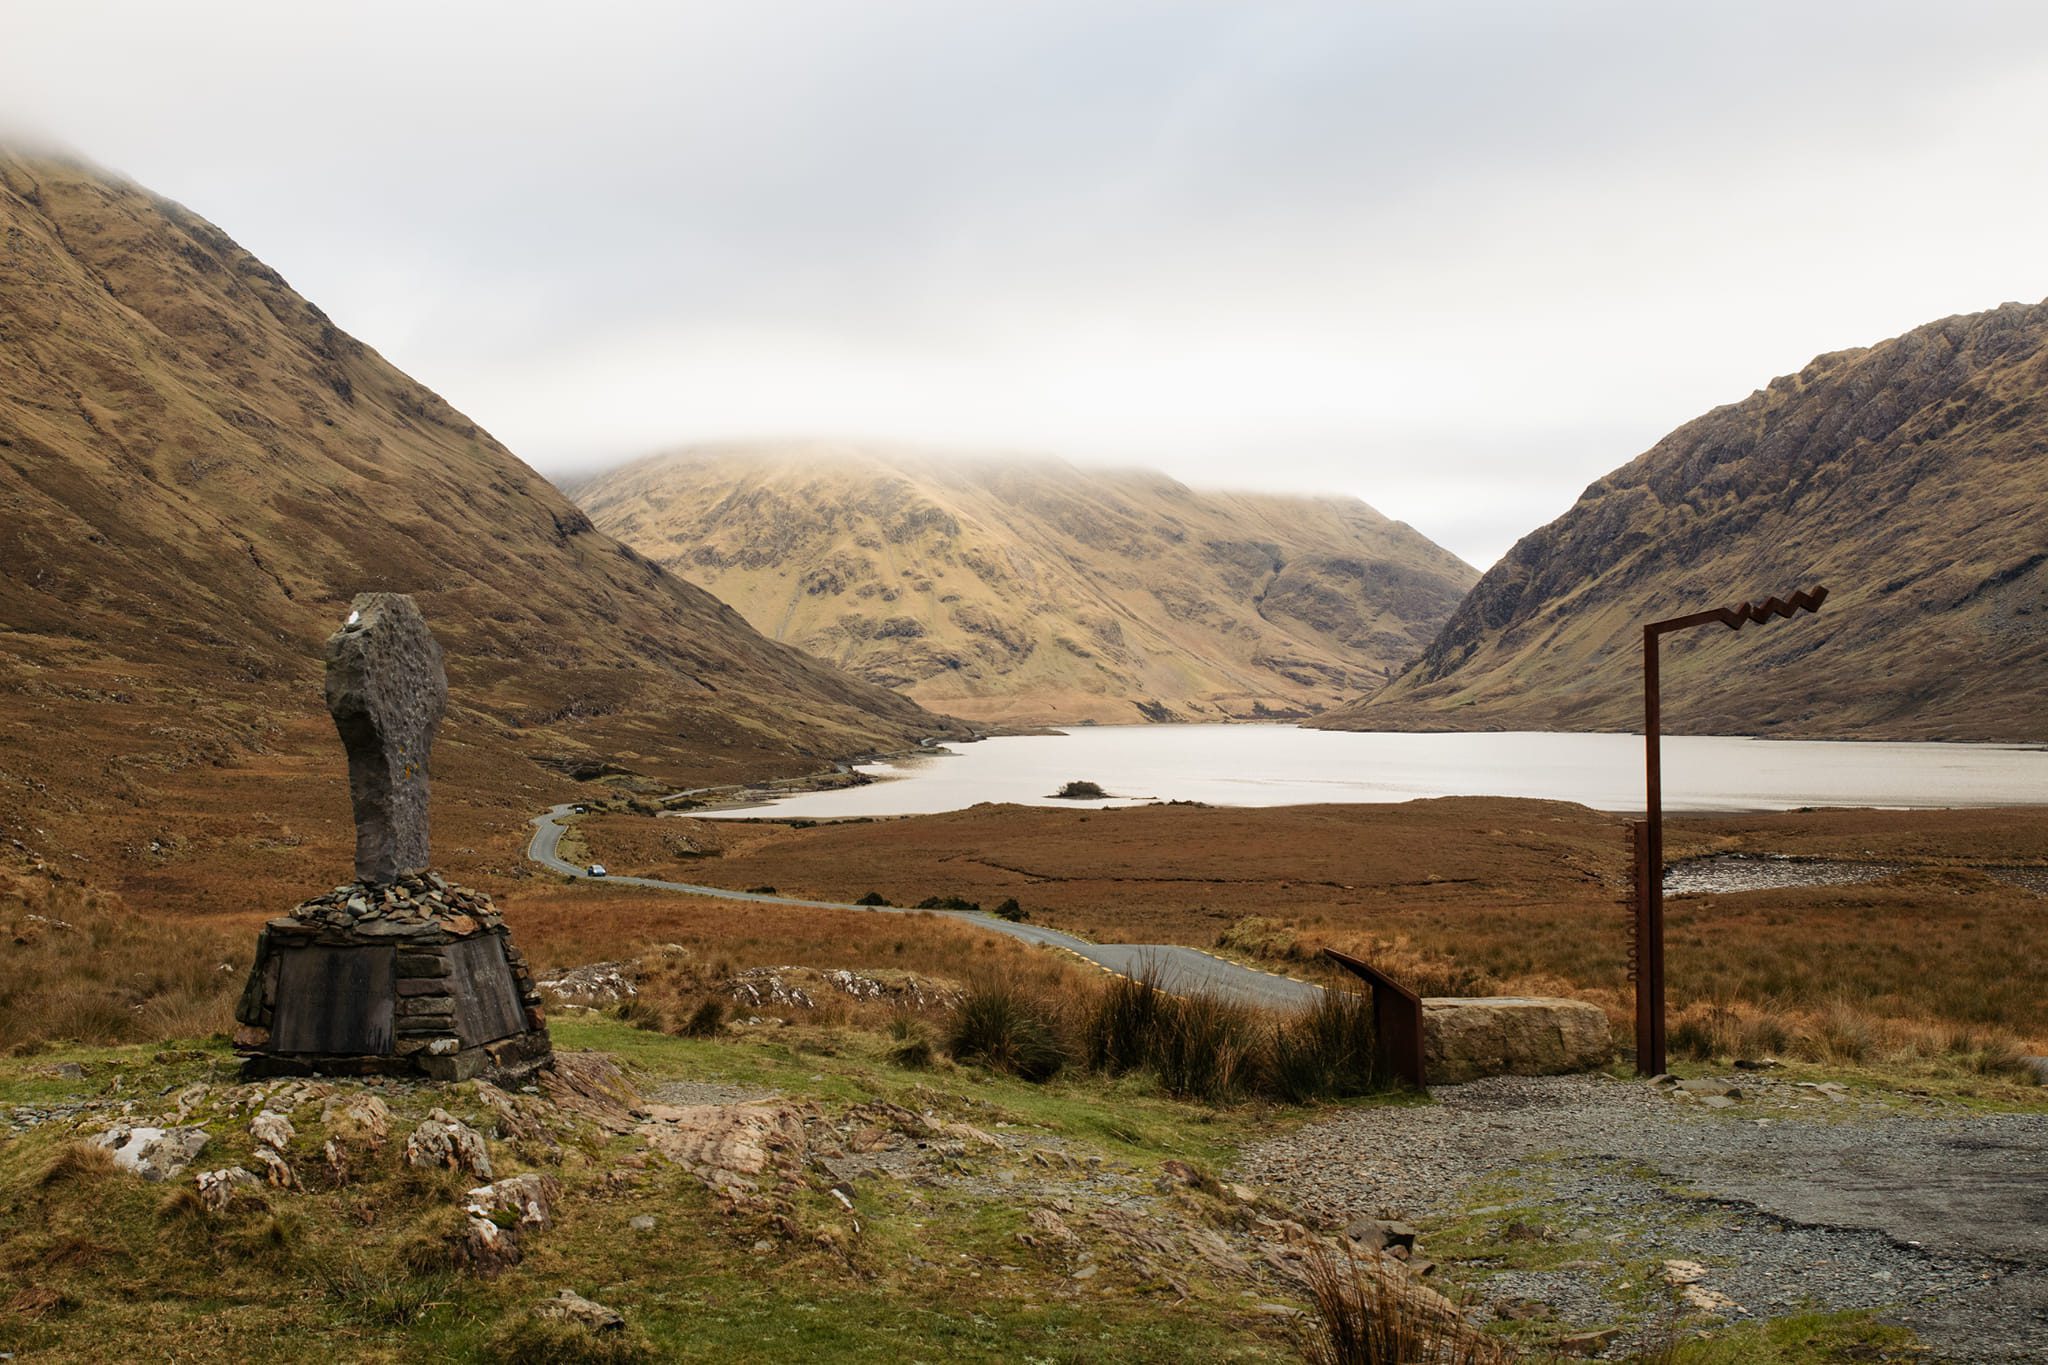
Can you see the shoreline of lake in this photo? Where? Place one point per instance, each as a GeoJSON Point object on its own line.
{"type": "Point", "coordinates": [1264, 764]}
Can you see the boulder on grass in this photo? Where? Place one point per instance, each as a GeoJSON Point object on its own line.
{"type": "Point", "coordinates": [1467, 1038]}
{"type": "Point", "coordinates": [152, 1153]}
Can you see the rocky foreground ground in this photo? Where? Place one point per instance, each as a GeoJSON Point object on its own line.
{"type": "Point", "coordinates": [795, 1189]}
{"type": "Point", "coordinates": [1751, 1196]}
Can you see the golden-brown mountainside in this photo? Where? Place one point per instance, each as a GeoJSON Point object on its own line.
{"type": "Point", "coordinates": [198, 470]}
{"type": "Point", "coordinates": [1033, 591]}
{"type": "Point", "coordinates": [1908, 478]}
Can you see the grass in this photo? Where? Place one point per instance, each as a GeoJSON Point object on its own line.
{"type": "Point", "coordinates": [1196, 1047]}
{"type": "Point", "coordinates": [933, 1274]}
{"type": "Point", "coordinates": [1801, 1339]}
{"type": "Point", "coordinates": [1362, 1318]}
{"type": "Point", "coordinates": [77, 963]}
{"type": "Point", "coordinates": [1005, 1029]}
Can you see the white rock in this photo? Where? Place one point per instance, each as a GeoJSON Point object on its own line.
{"type": "Point", "coordinates": [530, 1198]}
{"type": "Point", "coordinates": [446, 1141]}
{"type": "Point", "coordinates": [271, 1129]}
{"type": "Point", "coordinates": [216, 1188]}
{"type": "Point", "coordinates": [276, 1169]}
{"type": "Point", "coordinates": [153, 1153]}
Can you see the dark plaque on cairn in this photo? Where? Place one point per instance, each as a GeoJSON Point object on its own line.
{"type": "Point", "coordinates": [399, 972]}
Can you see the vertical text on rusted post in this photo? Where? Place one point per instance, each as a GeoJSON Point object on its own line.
{"type": "Point", "coordinates": [1649, 996]}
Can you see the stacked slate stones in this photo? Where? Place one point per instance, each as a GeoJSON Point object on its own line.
{"type": "Point", "coordinates": [399, 972]}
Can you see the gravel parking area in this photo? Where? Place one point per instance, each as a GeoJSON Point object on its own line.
{"type": "Point", "coordinates": [1788, 1197]}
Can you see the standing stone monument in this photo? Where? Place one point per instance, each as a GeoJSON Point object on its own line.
{"type": "Point", "coordinates": [399, 972]}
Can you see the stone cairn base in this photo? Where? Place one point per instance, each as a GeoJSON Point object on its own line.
{"type": "Point", "coordinates": [415, 977]}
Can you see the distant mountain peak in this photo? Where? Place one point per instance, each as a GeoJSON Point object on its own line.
{"type": "Point", "coordinates": [1027, 589]}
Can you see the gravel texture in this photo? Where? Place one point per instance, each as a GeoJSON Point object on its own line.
{"type": "Point", "coordinates": [1786, 1196]}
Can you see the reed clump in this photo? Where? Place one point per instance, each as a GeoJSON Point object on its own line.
{"type": "Point", "coordinates": [1196, 1046]}
{"type": "Point", "coordinates": [1365, 1312]}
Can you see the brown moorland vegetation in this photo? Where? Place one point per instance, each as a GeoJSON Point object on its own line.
{"type": "Point", "coordinates": [1471, 895]}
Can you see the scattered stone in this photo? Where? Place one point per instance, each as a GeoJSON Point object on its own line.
{"type": "Point", "coordinates": [593, 985]}
{"type": "Point", "coordinates": [1684, 1272]}
{"type": "Point", "coordinates": [1050, 1226]}
{"type": "Point", "coordinates": [276, 1170]}
{"type": "Point", "coordinates": [1377, 1234]}
{"type": "Point", "coordinates": [1587, 1343]}
{"type": "Point", "coordinates": [218, 1188]}
{"type": "Point", "coordinates": [271, 1129]}
{"type": "Point", "coordinates": [528, 1200]}
{"type": "Point", "coordinates": [153, 1153]}
{"type": "Point", "coordinates": [442, 1140]}
{"type": "Point", "coordinates": [569, 1306]}
{"type": "Point", "coordinates": [1700, 1297]}
{"type": "Point", "coordinates": [802, 987]}
{"type": "Point", "coordinates": [641, 1223]}
{"type": "Point", "coordinates": [357, 1123]}
{"type": "Point", "coordinates": [1708, 1085]}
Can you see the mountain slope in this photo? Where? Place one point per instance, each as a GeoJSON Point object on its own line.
{"type": "Point", "coordinates": [198, 470]}
{"type": "Point", "coordinates": [1908, 477]}
{"type": "Point", "coordinates": [1030, 590]}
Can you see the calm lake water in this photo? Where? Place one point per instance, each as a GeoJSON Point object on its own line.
{"type": "Point", "coordinates": [1281, 765]}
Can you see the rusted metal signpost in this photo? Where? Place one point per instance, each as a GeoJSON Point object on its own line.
{"type": "Point", "coordinates": [1648, 837]}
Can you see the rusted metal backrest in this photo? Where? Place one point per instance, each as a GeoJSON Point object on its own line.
{"type": "Point", "coordinates": [1396, 1019]}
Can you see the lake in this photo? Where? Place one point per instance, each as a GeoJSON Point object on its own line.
{"type": "Point", "coordinates": [1281, 765]}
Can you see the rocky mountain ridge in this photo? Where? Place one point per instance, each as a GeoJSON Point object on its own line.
{"type": "Point", "coordinates": [1907, 477]}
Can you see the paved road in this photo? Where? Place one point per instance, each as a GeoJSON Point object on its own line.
{"type": "Point", "coordinates": [1183, 971]}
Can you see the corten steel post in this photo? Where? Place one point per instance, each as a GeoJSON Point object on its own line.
{"type": "Point", "coordinates": [1396, 1020]}
{"type": "Point", "coordinates": [1650, 857]}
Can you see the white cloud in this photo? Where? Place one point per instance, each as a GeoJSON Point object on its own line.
{"type": "Point", "coordinates": [1458, 259]}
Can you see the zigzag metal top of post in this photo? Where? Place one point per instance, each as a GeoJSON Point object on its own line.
{"type": "Point", "coordinates": [1736, 617]}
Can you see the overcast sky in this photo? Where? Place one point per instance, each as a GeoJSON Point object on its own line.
{"type": "Point", "coordinates": [1457, 259]}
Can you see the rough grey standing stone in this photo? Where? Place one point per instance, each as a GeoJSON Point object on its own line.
{"type": "Point", "coordinates": [387, 689]}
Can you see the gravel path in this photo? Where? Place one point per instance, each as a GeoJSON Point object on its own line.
{"type": "Point", "coordinates": [1790, 1198]}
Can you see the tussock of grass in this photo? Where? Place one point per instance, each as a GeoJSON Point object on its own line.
{"type": "Point", "coordinates": [1362, 1317]}
{"type": "Point", "coordinates": [86, 1161]}
{"type": "Point", "coordinates": [1007, 1029]}
{"type": "Point", "coordinates": [1198, 1047]}
{"type": "Point", "coordinates": [530, 1339]}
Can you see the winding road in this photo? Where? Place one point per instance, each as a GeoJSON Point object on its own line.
{"type": "Point", "coordinates": [1183, 971]}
